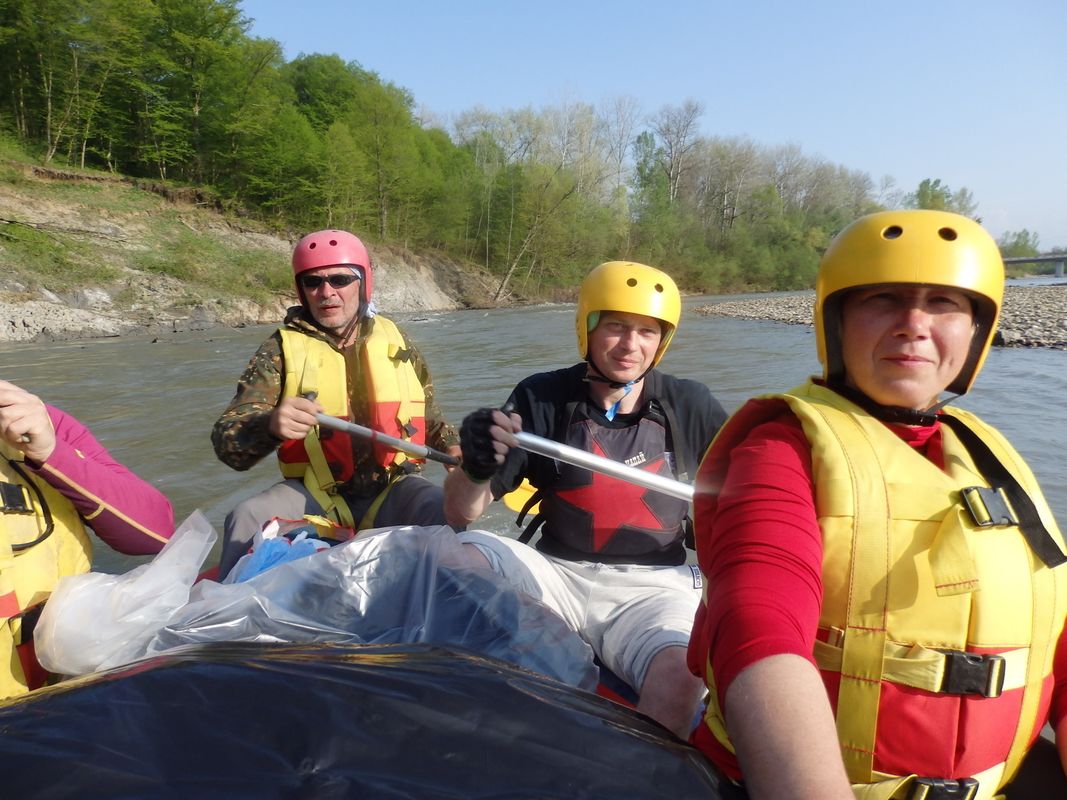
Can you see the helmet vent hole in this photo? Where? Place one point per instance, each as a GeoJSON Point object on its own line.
{"type": "Point", "coordinates": [333, 243]}
{"type": "Point", "coordinates": [631, 281]}
{"type": "Point", "coordinates": [948, 234]}
{"type": "Point", "coordinates": [659, 288]}
{"type": "Point", "coordinates": [893, 232]}
{"type": "Point", "coordinates": [311, 246]}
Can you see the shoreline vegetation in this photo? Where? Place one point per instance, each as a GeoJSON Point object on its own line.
{"type": "Point", "coordinates": [1032, 316]}
{"type": "Point", "coordinates": [85, 258]}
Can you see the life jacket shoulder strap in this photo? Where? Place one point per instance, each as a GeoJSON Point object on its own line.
{"type": "Point", "coordinates": [1034, 531]}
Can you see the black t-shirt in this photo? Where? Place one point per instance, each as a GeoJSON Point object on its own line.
{"type": "Point", "coordinates": [590, 516]}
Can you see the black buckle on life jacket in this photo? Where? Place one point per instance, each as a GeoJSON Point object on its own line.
{"type": "Point", "coordinates": [15, 499]}
{"type": "Point", "coordinates": [989, 507]}
{"type": "Point", "coordinates": [409, 429]}
{"type": "Point", "coordinates": [972, 673]}
{"type": "Point", "coordinates": [942, 789]}
{"type": "Point", "coordinates": [403, 354]}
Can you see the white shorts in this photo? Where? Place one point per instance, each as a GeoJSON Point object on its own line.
{"type": "Point", "coordinates": [628, 613]}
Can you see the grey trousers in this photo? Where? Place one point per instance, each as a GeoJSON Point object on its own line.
{"type": "Point", "coordinates": [412, 500]}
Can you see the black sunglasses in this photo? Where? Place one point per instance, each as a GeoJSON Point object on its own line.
{"type": "Point", "coordinates": [336, 281]}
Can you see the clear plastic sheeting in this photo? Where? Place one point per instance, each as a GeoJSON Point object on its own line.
{"type": "Point", "coordinates": [387, 586]}
{"type": "Point", "coordinates": [96, 620]}
{"type": "Point", "coordinates": [336, 721]}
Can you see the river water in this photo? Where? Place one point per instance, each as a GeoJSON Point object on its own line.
{"type": "Point", "coordinates": [152, 402]}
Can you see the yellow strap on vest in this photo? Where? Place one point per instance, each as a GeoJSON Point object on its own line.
{"type": "Point", "coordinates": [1047, 627]}
{"type": "Point", "coordinates": [892, 787]}
{"type": "Point", "coordinates": [864, 641]}
{"type": "Point", "coordinates": [371, 516]}
{"type": "Point", "coordinates": [923, 668]}
{"type": "Point", "coordinates": [333, 505]}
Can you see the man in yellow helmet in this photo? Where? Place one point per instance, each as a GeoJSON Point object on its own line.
{"type": "Point", "coordinates": [611, 556]}
{"type": "Point", "coordinates": [887, 583]}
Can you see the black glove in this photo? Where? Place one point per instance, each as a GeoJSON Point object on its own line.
{"type": "Point", "coordinates": [479, 455]}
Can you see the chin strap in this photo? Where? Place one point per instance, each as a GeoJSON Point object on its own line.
{"type": "Point", "coordinates": [351, 332]}
{"type": "Point", "coordinates": [599, 378]}
{"type": "Point", "coordinates": [892, 414]}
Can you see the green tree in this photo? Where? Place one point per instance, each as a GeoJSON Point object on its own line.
{"type": "Point", "coordinates": [381, 122]}
{"type": "Point", "coordinates": [245, 85]}
{"type": "Point", "coordinates": [281, 166]}
{"type": "Point", "coordinates": [324, 86]}
{"type": "Point", "coordinates": [451, 192]}
{"type": "Point", "coordinates": [196, 37]}
{"type": "Point", "coordinates": [111, 48]}
{"type": "Point", "coordinates": [937, 196]}
{"type": "Point", "coordinates": [344, 181]}
{"type": "Point", "coordinates": [1018, 244]}
{"type": "Point", "coordinates": [651, 201]}
{"type": "Point", "coordinates": [40, 67]}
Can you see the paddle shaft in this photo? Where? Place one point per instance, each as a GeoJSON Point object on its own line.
{"type": "Point", "coordinates": [412, 449]}
{"type": "Point", "coordinates": [580, 458]}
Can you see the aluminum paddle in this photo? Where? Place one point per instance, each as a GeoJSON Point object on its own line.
{"type": "Point", "coordinates": [412, 449]}
{"type": "Point", "coordinates": [580, 458]}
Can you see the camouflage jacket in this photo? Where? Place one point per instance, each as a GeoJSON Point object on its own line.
{"type": "Point", "coordinates": [241, 436]}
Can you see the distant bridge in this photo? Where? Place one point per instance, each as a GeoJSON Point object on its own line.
{"type": "Point", "coordinates": [1057, 259]}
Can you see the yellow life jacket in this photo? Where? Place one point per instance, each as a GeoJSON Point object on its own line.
{"type": "Point", "coordinates": [909, 578]}
{"type": "Point", "coordinates": [32, 560]}
{"type": "Point", "coordinates": [397, 401]}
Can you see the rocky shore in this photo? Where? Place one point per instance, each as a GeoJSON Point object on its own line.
{"type": "Point", "coordinates": [106, 221]}
{"type": "Point", "coordinates": [403, 283]}
{"type": "Point", "coordinates": [1033, 316]}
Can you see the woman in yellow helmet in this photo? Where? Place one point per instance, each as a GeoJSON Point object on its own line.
{"type": "Point", "coordinates": [886, 581]}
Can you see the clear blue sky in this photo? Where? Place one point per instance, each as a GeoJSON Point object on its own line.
{"type": "Point", "coordinates": [971, 92]}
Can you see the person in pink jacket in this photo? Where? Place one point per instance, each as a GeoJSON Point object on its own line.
{"type": "Point", "coordinates": [56, 479]}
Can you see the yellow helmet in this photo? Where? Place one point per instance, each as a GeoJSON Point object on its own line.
{"type": "Point", "coordinates": [934, 248]}
{"type": "Point", "coordinates": [631, 288]}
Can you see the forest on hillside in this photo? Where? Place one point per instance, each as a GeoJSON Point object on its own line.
{"type": "Point", "coordinates": [177, 91]}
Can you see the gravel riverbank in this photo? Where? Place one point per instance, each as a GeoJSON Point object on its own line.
{"type": "Point", "coordinates": [1033, 316]}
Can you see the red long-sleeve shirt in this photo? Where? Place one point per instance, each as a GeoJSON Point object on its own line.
{"type": "Point", "coordinates": [127, 513]}
{"type": "Point", "coordinates": [764, 599]}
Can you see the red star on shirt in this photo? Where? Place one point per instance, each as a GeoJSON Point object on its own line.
{"type": "Point", "coordinates": [602, 498]}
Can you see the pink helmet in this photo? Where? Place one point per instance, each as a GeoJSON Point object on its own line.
{"type": "Point", "coordinates": [332, 248]}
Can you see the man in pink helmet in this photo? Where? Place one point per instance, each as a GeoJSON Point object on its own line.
{"type": "Point", "coordinates": [333, 354]}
